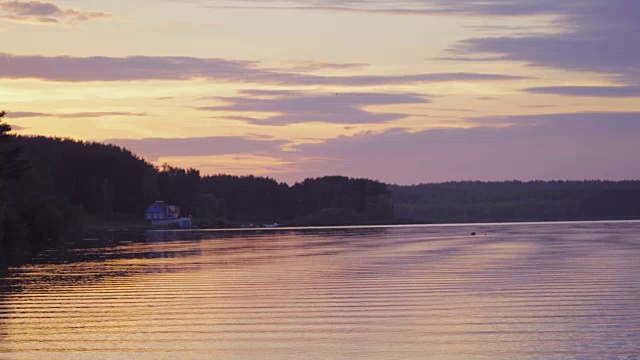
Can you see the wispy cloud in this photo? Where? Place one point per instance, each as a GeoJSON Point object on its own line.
{"type": "Point", "coordinates": [45, 13]}
{"type": "Point", "coordinates": [154, 148]}
{"type": "Point", "coordinates": [504, 7]}
{"type": "Point", "coordinates": [343, 8]}
{"type": "Point", "coordinates": [310, 66]}
{"type": "Point", "coordinates": [407, 7]}
{"type": "Point", "coordinates": [588, 91]}
{"type": "Point", "coordinates": [599, 36]}
{"type": "Point", "coordinates": [301, 107]}
{"type": "Point", "coordinates": [19, 115]}
{"type": "Point", "coordinates": [587, 35]}
{"type": "Point", "coordinates": [550, 146]}
{"type": "Point", "coordinates": [84, 69]}
{"type": "Point", "coordinates": [24, 114]}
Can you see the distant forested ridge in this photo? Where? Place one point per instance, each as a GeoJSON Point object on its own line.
{"type": "Point", "coordinates": [510, 201]}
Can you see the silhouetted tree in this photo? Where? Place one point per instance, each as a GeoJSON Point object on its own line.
{"type": "Point", "coordinates": [179, 187]}
{"type": "Point", "coordinates": [10, 163]}
{"type": "Point", "coordinates": [206, 207]}
{"type": "Point", "coordinates": [64, 179]}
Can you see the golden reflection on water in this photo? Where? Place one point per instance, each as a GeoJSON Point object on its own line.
{"type": "Point", "coordinates": [541, 291]}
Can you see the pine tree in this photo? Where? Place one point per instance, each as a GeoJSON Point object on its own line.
{"type": "Point", "coordinates": [10, 163]}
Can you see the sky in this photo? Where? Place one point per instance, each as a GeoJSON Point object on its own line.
{"type": "Point", "coordinates": [406, 92]}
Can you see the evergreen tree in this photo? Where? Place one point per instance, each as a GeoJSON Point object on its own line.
{"type": "Point", "coordinates": [10, 164]}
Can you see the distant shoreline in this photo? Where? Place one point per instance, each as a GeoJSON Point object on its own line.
{"type": "Point", "coordinates": [506, 223]}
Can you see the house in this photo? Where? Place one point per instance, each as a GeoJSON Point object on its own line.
{"type": "Point", "coordinates": [159, 210]}
{"type": "Point", "coordinates": [161, 214]}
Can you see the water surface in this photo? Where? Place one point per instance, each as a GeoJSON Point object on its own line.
{"type": "Point", "coordinates": [520, 291]}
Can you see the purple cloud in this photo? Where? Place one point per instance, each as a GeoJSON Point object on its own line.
{"type": "Point", "coordinates": [342, 8]}
{"type": "Point", "coordinates": [154, 148]}
{"type": "Point", "coordinates": [45, 13]}
{"type": "Point", "coordinates": [570, 124]}
{"type": "Point", "coordinates": [552, 146]}
{"type": "Point", "coordinates": [136, 68]}
{"type": "Point", "coordinates": [597, 35]}
{"type": "Point", "coordinates": [504, 7]}
{"type": "Point", "coordinates": [76, 69]}
{"type": "Point", "coordinates": [408, 7]}
{"type": "Point", "coordinates": [96, 114]}
{"type": "Point", "coordinates": [301, 107]}
{"type": "Point", "coordinates": [600, 37]}
{"type": "Point", "coordinates": [18, 114]}
{"type": "Point", "coordinates": [588, 91]}
{"type": "Point", "coordinates": [23, 114]}
{"type": "Point", "coordinates": [311, 66]}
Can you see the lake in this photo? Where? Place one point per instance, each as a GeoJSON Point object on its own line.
{"type": "Point", "coordinates": [516, 291]}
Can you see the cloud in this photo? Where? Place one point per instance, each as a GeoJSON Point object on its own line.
{"type": "Point", "coordinates": [342, 8]}
{"type": "Point", "coordinates": [588, 91]}
{"type": "Point", "coordinates": [599, 36]}
{"type": "Point", "coordinates": [96, 114]}
{"type": "Point", "coordinates": [311, 66]}
{"type": "Point", "coordinates": [301, 107]}
{"type": "Point", "coordinates": [551, 146]}
{"type": "Point", "coordinates": [45, 13]}
{"type": "Point", "coordinates": [136, 68]}
{"type": "Point", "coordinates": [504, 7]}
{"type": "Point", "coordinates": [586, 35]}
{"type": "Point", "coordinates": [570, 124]}
{"type": "Point", "coordinates": [18, 114]}
{"type": "Point", "coordinates": [590, 35]}
{"type": "Point", "coordinates": [154, 148]}
{"type": "Point", "coordinates": [409, 7]}
{"type": "Point", "coordinates": [470, 8]}
{"type": "Point", "coordinates": [78, 69]}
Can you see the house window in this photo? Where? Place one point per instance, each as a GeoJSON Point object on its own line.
{"type": "Point", "coordinates": [155, 216]}
{"type": "Point", "coordinates": [149, 215]}
{"type": "Point", "coordinates": [161, 216]}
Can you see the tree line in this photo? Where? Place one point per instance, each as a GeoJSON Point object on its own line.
{"type": "Point", "coordinates": [50, 186]}
{"type": "Point", "coordinates": [509, 201]}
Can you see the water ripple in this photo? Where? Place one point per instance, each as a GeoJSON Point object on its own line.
{"type": "Point", "coordinates": [523, 291]}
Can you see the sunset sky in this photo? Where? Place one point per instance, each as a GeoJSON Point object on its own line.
{"type": "Point", "coordinates": [400, 91]}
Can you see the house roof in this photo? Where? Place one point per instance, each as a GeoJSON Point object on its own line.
{"type": "Point", "coordinates": [160, 204]}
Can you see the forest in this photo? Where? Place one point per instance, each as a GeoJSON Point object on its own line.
{"type": "Point", "coordinates": [513, 201]}
{"type": "Point", "coordinates": [53, 188]}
